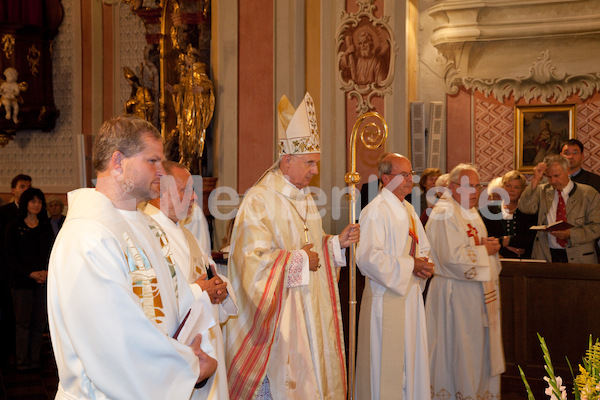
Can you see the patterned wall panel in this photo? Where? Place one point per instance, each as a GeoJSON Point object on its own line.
{"type": "Point", "coordinates": [494, 135]}
{"type": "Point", "coordinates": [51, 158]}
{"type": "Point", "coordinates": [131, 43]}
{"type": "Point", "coordinates": [588, 131]}
{"type": "Point", "coordinates": [494, 141]}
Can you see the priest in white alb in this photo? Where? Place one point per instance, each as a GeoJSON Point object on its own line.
{"type": "Point", "coordinates": [463, 302]}
{"type": "Point", "coordinates": [115, 296]}
{"type": "Point", "coordinates": [392, 359]}
{"type": "Point", "coordinates": [287, 340]}
{"type": "Point", "coordinates": [177, 198]}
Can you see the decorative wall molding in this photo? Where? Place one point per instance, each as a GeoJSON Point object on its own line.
{"type": "Point", "coordinates": [485, 45]}
{"type": "Point", "coordinates": [381, 61]}
{"type": "Point", "coordinates": [544, 83]}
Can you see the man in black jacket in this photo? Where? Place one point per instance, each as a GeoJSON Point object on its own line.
{"type": "Point", "coordinates": [8, 212]}
{"type": "Point", "coordinates": [572, 149]}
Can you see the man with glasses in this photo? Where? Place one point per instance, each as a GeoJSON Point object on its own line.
{"type": "Point", "coordinates": [572, 150]}
{"type": "Point", "coordinates": [463, 302]}
{"type": "Point", "coordinates": [392, 339]}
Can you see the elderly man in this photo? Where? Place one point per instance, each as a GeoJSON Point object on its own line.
{"type": "Point", "coordinates": [572, 149]}
{"type": "Point", "coordinates": [115, 297]}
{"type": "Point", "coordinates": [287, 341]}
{"type": "Point", "coordinates": [175, 203]}
{"type": "Point", "coordinates": [463, 304]}
{"type": "Point", "coordinates": [561, 199]}
{"type": "Point", "coordinates": [392, 339]}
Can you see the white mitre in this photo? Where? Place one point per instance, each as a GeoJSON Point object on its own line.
{"type": "Point", "coordinates": [297, 129]}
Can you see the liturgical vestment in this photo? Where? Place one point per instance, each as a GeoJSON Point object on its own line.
{"type": "Point", "coordinates": [463, 307]}
{"type": "Point", "coordinates": [392, 359]}
{"type": "Point", "coordinates": [289, 326]}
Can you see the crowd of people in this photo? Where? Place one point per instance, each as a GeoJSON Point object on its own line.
{"type": "Point", "coordinates": [136, 308]}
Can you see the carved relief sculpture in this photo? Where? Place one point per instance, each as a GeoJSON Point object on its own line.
{"type": "Point", "coordinates": [10, 94]}
{"type": "Point", "coordinates": [366, 50]}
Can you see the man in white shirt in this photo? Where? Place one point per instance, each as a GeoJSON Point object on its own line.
{"type": "Point", "coordinates": [175, 203]}
{"type": "Point", "coordinates": [115, 297]}
{"type": "Point", "coordinates": [579, 205]}
{"type": "Point", "coordinates": [392, 358]}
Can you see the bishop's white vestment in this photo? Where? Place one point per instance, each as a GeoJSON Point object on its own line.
{"type": "Point", "coordinates": [193, 262]}
{"type": "Point", "coordinates": [463, 307]}
{"type": "Point", "coordinates": [289, 326]}
{"type": "Point", "coordinates": [392, 358]}
{"type": "Point", "coordinates": [115, 299]}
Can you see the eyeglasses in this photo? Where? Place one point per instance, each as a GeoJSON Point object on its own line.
{"type": "Point", "coordinates": [478, 186]}
{"type": "Point", "coordinates": [405, 175]}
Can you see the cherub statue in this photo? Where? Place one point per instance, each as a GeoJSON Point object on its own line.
{"type": "Point", "coordinates": [10, 94]}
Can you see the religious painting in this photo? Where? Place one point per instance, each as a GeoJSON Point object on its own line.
{"type": "Point", "coordinates": [539, 132]}
{"type": "Point", "coordinates": [365, 58]}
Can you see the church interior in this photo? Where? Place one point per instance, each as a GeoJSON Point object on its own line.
{"type": "Point", "coordinates": [455, 81]}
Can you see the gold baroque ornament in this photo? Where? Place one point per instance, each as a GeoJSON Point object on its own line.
{"type": "Point", "coordinates": [33, 57]}
{"type": "Point", "coordinates": [366, 53]}
{"type": "Point", "coordinates": [8, 45]}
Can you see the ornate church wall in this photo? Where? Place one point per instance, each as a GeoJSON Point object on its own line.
{"type": "Point", "coordinates": [491, 56]}
{"type": "Point", "coordinates": [54, 159]}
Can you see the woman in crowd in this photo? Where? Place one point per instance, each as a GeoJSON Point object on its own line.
{"type": "Point", "coordinates": [507, 223]}
{"type": "Point", "coordinates": [27, 244]}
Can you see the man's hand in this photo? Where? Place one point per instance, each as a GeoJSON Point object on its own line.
{"type": "Point", "coordinates": [215, 288]}
{"type": "Point", "coordinates": [208, 365]}
{"type": "Point", "coordinates": [350, 234]}
{"type": "Point", "coordinates": [39, 276]}
{"type": "Point", "coordinates": [313, 258]}
{"type": "Point", "coordinates": [423, 267]}
{"type": "Point", "coordinates": [492, 245]}
{"type": "Point", "coordinates": [516, 250]}
{"type": "Point", "coordinates": [566, 234]}
{"type": "Point", "coordinates": [538, 174]}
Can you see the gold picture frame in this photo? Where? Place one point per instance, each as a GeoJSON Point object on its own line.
{"type": "Point", "coordinates": [539, 131]}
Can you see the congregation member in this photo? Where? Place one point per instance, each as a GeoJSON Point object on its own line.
{"type": "Point", "coordinates": [27, 244]}
{"type": "Point", "coordinates": [8, 213]}
{"type": "Point", "coordinates": [287, 340]}
{"type": "Point", "coordinates": [507, 222]}
{"type": "Point", "coordinates": [176, 202]}
{"type": "Point", "coordinates": [115, 297]}
{"type": "Point", "coordinates": [561, 199]}
{"type": "Point", "coordinates": [55, 212]}
{"type": "Point", "coordinates": [572, 149]}
{"type": "Point", "coordinates": [463, 304]}
{"type": "Point", "coordinates": [392, 358]}
{"type": "Point", "coordinates": [426, 182]}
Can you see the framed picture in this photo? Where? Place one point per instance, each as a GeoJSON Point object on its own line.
{"type": "Point", "coordinates": [539, 131]}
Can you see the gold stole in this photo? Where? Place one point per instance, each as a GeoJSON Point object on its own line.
{"type": "Point", "coordinates": [492, 306]}
{"type": "Point", "coordinates": [197, 266]}
{"type": "Point", "coordinates": [393, 323]}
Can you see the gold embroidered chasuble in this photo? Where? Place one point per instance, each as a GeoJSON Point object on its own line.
{"type": "Point", "coordinates": [293, 335]}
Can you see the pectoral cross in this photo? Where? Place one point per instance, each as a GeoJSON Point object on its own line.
{"type": "Point", "coordinates": [305, 233]}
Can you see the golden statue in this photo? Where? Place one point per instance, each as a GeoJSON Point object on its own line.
{"type": "Point", "coordinates": [194, 101]}
{"type": "Point", "coordinates": [141, 101]}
